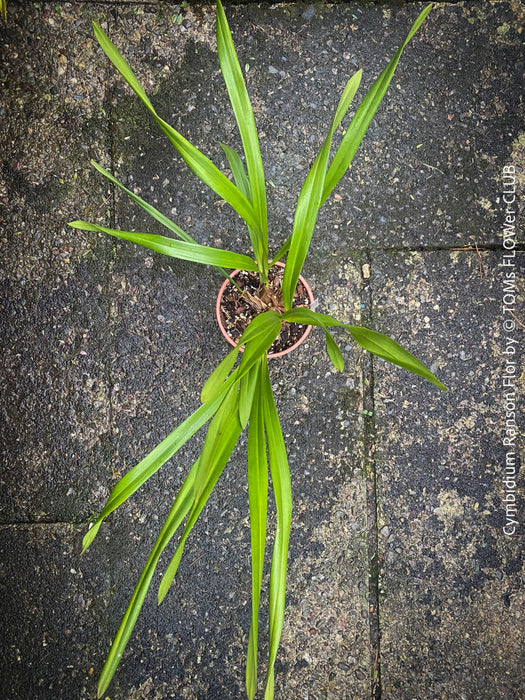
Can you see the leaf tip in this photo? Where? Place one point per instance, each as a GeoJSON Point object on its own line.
{"type": "Point", "coordinates": [90, 536]}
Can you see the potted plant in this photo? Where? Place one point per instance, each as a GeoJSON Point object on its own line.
{"type": "Point", "coordinates": [274, 314]}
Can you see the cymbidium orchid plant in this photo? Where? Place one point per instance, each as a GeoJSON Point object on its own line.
{"type": "Point", "coordinates": [238, 395]}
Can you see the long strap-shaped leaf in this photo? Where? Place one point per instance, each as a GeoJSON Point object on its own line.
{"type": "Point", "coordinates": [239, 173]}
{"type": "Point", "coordinates": [214, 384]}
{"type": "Point", "coordinates": [196, 161]}
{"type": "Point", "coordinates": [223, 434]}
{"type": "Point", "coordinates": [334, 351]}
{"type": "Point", "coordinates": [364, 115]}
{"type": "Point", "coordinates": [259, 336]}
{"type": "Point", "coordinates": [241, 180]}
{"type": "Point", "coordinates": [177, 514]}
{"type": "Point", "coordinates": [148, 208]}
{"type": "Point", "coordinates": [282, 251]}
{"type": "Point", "coordinates": [137, 476]}
{"type": "Point", "coordinates": [155, 213]}
{"type": "Point", "coordinates": [283, 501]}
{"type": "Point", "coordinates": [224, 430]}
{"type": "Point", "coordinates": [258, 498]}
{"type": "Point", "coordinates": [309, 201]}
{"type": "Point", "coordinates": [247, 391]}
{"type": "Point", "coordinates": [206, 255]}
{"type": "Point", "coordinates": [376, 343]}
{"type": "Point", "coordinates": [242, 109]}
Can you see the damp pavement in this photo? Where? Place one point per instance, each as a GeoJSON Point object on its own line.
{"type": "Point", "coordinates": [406, 574]}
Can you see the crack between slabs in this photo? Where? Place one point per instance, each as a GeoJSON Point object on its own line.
{"type": "Point", "coordinates": [112, 211]}
{"type": "Point", "coordinates": [25, 524]}
{"type": "Point", "coordinates": [482, 247]}
{"type": "Point", "coordinates": [371, 497]}
{"type": "Point", "coordinates": [228, 3]}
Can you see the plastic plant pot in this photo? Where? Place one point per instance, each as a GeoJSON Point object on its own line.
{"type": "Point", "coordinates": [231, 341]}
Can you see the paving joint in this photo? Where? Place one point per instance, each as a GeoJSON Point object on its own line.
{"type": "Point", "coordinates": [369, 429]}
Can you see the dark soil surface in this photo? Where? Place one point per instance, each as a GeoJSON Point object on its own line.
{"type": "Point", "coordinates": [238, 310]}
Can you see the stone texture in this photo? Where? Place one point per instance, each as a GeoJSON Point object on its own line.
{"type": "Point", "coordinates": [428, 162]}
{"type": "Point", "coordinates": [106, 346]}
{"type": "Point", "coordinates": [53, 612]}
{"type": "Point", "coordinates": [54, 311]}
{"type": "Point", "coordinates": [451, 579]}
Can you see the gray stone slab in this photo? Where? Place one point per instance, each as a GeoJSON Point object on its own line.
{"type": "Point", "coordinates": [451, 580]}
{"type": "Point", "coordinates": [54, 310]}
{"type": "Point", "coordinates": [167, 344]}
{"type": "Point", "coordinates": [195, 644]}
{"type": "Point", "coordinates": [427, 171]}
{"type": "Point", "coordinates": [106, 347]}
{"type": "Point", "coordinates": [52, 614]}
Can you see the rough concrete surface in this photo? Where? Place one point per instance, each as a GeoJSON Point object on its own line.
{"type": "Point", "coordinates": [402, 580]}
{"type": "Point", "coordinates": [450, 579]}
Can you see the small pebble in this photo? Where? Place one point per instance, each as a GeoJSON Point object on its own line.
{"type": "Point", "coordinates": [309, 13]}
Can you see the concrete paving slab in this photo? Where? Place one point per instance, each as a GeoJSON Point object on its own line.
{"type": "Point", "coordinates": [451, 568]}
{"type": "Point", "coordinates": [161, 308]}
{"type": "Point", "coordinates": [425, 175]}
{"type": "Point", "coordinates": [53, 307]}
{"type": "Point", "coordinates": [195, 644]}
{"type": "Point", "coordinates": [52, 614]}
{"type": "Point", "coordinates": [101, 359]}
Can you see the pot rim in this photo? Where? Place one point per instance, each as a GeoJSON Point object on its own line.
{"type": "Point", "coordinates": [271, 355]}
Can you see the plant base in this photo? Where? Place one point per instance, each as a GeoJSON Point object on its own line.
{"type": "Point", "coordinates": [235, 310]}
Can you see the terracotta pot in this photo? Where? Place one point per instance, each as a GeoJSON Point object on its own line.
{"type": "Point", "coordinates": [233, 343]}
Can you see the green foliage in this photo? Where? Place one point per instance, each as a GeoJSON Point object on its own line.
{"type": "Point", "coordinates": [239, 394]}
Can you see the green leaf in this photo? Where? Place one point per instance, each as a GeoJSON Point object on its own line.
{"type": "Point", "coordinates": [214, 384]}
{"type": "Point", "coordinates": [219, 428]}
{"type": "Point", "coordinates": [311, 318]}
{"type": "Point", "coordinates": [154, 213]}
{"type": "Point", "coordinates": [120, 64]}
{"type": "Point", "coordinates": [258, 338]}
{"type": "Point", "coordinates": [364, 115]}
{"type": "Point", "coordinates": [259, 326]}
{"type": "Point", "coordinates": [182, 250]}
{"type": "Point", "coordinates": [334, 353]}
{"type": "Point", "coordinates": [223, 434]}
{"type": "Point", "coordinates": [258, 499]}
{"type": "Point", "coordinates": [177, 514]}
{"type": "Point", "coordinates": [137, 476]}
{"type": "Point", "coordinates": [241, 180]}
{"type": "Point", "coordinates": [148, 208]}
{"type": "Point", "coordinates": [283, 502]}
{"type": "Point", "coordinates": [196, 161]}
{"type": "Point", "coordinates": [386, 348]}
{"type": "Point", "coordinates": [285, 248]}
{"type": "Point", "coordinates": [309, 201]}
{"type": "Point", "coordinates": [242, 108]}
{"type": "Point", "coordinates": [249, 383]}
{"type": "Point", "coordinates": [377, 343]}
{"type": "Point", "coordinates": [211, 175]}
{"type": "Point", "coordinates": [238, 171]}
